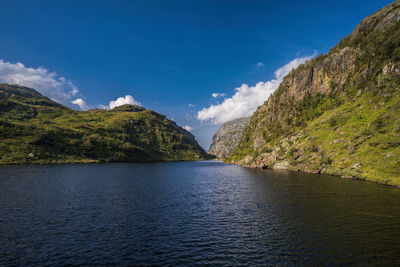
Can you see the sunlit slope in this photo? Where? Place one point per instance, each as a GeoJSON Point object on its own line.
{"type": "Point", "coordinates": [34, 128]}
{"type": "Point", "coordinates": [338, 113]}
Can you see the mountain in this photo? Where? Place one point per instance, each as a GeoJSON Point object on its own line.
{"type": "Point", "coordinates": [338, 113]}
{"type": "Point", "coordinates": [227, 138]}
{"type": "Point", "coordinates": [35, 129]}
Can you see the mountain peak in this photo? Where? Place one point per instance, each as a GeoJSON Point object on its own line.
{"type": "Point", "coordinates": [338, 113]}
{"type": "Point", "coordinates": [129, 108]}
{"type": "Point", "coordinates": [19, 90]}
{"type": "Point", "coordinates": [36, 129]}
{"type": "Point", "coordinates": [378, 21]}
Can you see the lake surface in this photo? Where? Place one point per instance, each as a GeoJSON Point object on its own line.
{"type": "Point", "coordinates": [192, 213]}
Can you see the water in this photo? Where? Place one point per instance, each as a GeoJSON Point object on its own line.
{"type": "Point", "coordinates": [192, 213]}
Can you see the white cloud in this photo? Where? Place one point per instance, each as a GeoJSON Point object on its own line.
{"type": "Point", "coordinates": [215, 95]}
{"type": "Point", "coordinates": [247, 98]}
{"type": "Point", "coordinates": [260, 64]}
{"type": "Point", "coordinates": [81, 103]}
{"type": "Point", "coordinates": [191, 105]}
{"type": "Point", "coordinates": [44, 81]}
{"type": "Point", "coordinates": [102, 106]}
{"type": "Point", "coordinates": [128, 99]}
{"type": "Point", "coordinates": [187, 128]}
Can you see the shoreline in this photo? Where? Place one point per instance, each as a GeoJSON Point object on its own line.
{"type": "Point", "coordinates": [320, 173]}
{"type": "Point", "coordinates": [72, 162]}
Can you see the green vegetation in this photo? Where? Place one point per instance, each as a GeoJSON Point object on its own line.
{"type": "Point", "coordinates": [352, 126]}
{"type": "Point", "coordinates": [35, 129]}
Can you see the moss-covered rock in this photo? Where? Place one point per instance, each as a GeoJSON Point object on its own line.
{"type": "Point", "coordinates": [337, 111]}
{"type": "Point", "coordinates": [35, 129]}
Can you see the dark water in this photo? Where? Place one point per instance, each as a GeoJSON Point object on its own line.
{"type": "Point", "coordinates": [192, 213]}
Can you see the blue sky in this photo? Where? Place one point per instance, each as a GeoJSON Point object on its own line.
{"type": "Point", "coordinates": [167, 54]}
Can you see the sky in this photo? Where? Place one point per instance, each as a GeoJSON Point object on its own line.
{"type": "Point", "coordinates": [201, 63]}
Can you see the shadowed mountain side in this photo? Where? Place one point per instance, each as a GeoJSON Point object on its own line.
{"type": "Point", "coordinates": [227, 138]}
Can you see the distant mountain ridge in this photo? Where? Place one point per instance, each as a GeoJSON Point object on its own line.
{"type": "Point", "coordinates": [35, 129]}
{"type": "Point", "coordinates": [227, 138]}
{"type": "Point", "coordinates": [338, 113]}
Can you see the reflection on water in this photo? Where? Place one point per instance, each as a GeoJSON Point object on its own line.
{"type": "Point", "coordinates": [192, 212]}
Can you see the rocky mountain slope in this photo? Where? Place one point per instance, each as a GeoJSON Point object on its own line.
{"type": "Point", "coordinates": [338, 113]}
{"type": "Point", "coordinates": [36, 129]}
{"type": "Point", "coordinates": [227, 138]}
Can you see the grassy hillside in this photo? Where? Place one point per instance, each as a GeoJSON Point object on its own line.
{"type": "Point", "coordinates": [338, 113]}
{"type": "Point", "coordinates": [35, 129]}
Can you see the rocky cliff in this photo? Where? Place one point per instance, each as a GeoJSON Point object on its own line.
{"type": "Point", "coordinates": [35, 129]}
{"type": "Point", "coordinates": [227, 138]}
{"type": "Point", "coordinates": [338, 113]}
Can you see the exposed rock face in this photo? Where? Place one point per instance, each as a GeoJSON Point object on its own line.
{"type": "Point", "coordinates": [227, 138]}
{"type": "Point", "coordinates": [338, 113]}
{"type": "Point", "coordinates": [378, 21]}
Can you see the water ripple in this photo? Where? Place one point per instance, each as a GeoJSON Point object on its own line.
{"type": "Point", "coordinates": [192, 213]}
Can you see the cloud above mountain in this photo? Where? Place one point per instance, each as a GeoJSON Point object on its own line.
{"type": "Point", "coordinates": [216, 95]}
{"type": "Point", "coordinates": [187, 128]}
{"type": "Point", "coordinates": [46, 82]}
{"type": "Point", "coordinates": [51, 84]}
{"type": "Point", "coordinates": [128, 99]}
{"type": "Point", "coordinates": [81, 103]}
{"type": "Point", "coordinates": [247, 98]}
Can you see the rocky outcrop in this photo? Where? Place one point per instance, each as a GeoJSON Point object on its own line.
{"type": "Point", "coordinates": [338, 113]}
{"type": "Point", "coordinates": [378, 21]}
{"type": "Point", "coordinates": [227, 138]}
